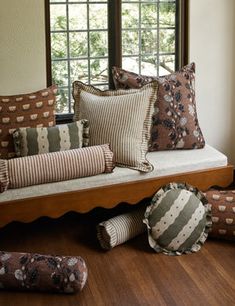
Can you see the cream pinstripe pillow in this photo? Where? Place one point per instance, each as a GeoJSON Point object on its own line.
{"type": "Point", "coordinates": [121, 118]}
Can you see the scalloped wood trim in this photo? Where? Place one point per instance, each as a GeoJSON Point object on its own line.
{"type": "Point", "coordinates": [82, 201]}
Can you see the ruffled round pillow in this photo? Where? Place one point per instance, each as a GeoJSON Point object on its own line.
{"type": "Point", "coordinates": [178, 219]}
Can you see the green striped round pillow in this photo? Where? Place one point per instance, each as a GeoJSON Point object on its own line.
{"type": "Point", "coordinates": [178, 219]}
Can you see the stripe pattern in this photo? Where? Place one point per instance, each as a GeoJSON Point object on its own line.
{"type": "Point", "coordinates": [120, 229]}
{"type": "Point", "coordinates": [59, 166]}
{"type": "Point", "coordinates": [33, 141]}
{"type": "Point", "coordinates": [178, 219]}
{"type": "Point", "coordinates": [121, 118]}
{"type": "Point", "coordinates": [4, 178]}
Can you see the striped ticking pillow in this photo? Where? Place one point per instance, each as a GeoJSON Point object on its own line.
{"type": "Point", "coordinates": [121, 118]}
{"type": "Point", "coordinates": [33, 141]}
{"type": "Point", "coordinates": [120, 229]}
{"type": "Point", "coordinates": [56, 166]}
{"type": "Point", "coordinates": [178, 219]}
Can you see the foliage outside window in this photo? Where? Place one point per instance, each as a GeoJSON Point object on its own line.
{"type": "Point", "coordinates": [81, 41]}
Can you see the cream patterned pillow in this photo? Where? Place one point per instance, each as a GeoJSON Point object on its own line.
{"type": "Point", "coordinates": [121, 118]}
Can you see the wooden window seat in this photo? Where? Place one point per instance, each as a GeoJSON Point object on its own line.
{"type": "Point", "coordinates": [201, 168]}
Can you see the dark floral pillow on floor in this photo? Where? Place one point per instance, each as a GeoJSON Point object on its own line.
{"type": "Point", "coordinates": [25, 271]}
{"type": "Point", "coordinates": [174, 122]}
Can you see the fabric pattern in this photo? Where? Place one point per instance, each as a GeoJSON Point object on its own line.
{"type": "Point", "coordinates": [26, 110]}
{"type": "Point", "coordinates": [222, 204]}
{"type": "Point", "coordinates": [174, 122]}
{"type": "Point", "coordinates": [4, 177]}
{"type": "Point", "coordinates": [178, 219]}
{"type": "Point", "coordinates": [26, 271]}
{"type": "Point", "coordinates": [59, 166]}
{"type": "Point", "coordinates": [33, 141]}
{"type": "Point", "coordinates": [120, 229]}
{"type": "Point", "coordinates": [121, 118]}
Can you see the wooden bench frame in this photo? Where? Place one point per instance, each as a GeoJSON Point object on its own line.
{"type": "Point", "coordinates": [55, 205]}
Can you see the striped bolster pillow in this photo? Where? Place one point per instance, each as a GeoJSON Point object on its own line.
{"type": "Point", "coordinates": [56, 166]}
{"type": "Point", "coordinates": [119, 229]}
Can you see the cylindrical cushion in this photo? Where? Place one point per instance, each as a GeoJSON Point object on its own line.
{"type": "Point", "coordinates": [119, 229]}
{"type": "Point", "coordinates": [58, 166]}
{"type": "Point", "coordinates": [26, 271]}
{"type": "Point", "coordinates": [4, 177]}
{"type": "Point", "coordinates": [222, 204]}
{"type": "Point", "coordinates": [178, 219]}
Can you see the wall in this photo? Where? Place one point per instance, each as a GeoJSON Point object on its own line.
{"type": "Point", "coordinates": [22, 49]}
{"type": "Point", "coordinates": [212, 47]}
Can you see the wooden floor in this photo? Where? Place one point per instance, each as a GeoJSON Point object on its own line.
{"type": "Point", "coordinates": [130, 274]}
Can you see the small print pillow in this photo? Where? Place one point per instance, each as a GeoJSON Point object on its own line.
{"type": "Point", "coordinates": [178, 219]}
{"type": "Point", "coordinates": [25, 110]}
{"type": "Point", "coordinates": [223, 213]}
{"type": "Point", "coordinates": [32, 141]}
{"type": "Point", "coordinates": [174, 123]}
{"type": "Point", "coordinates": [121, 118]}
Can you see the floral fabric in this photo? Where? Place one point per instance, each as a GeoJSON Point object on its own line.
{"type": "Point", "coordinates": [26, 271]}
{"type": "Point", "coordinates": [174, 121]}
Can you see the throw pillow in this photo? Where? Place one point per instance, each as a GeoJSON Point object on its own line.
{"type": "Point", "coordinates": [174, 122]}
{"type": "Point", "coordinates": [121, 118]}
{"type": "Point", "coordinates": [120, 229]}
{"type": "Point", "coordinates": [31, 272]}
{"type": "Point", "coordinates": [178, 219]}
{"type": "Point", "coordinates": [223, 213]}
{"type": "Point", "coordinates": [31, 141]}
{"type": "Point", "coordinates": [56, 166]}
{"type": "Point", "coordinates": [26, 110]}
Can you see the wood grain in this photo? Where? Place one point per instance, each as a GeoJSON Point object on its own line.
{"type": "Point", "coordinates": [82, 201]}
{"type": "Point", "coordinates": [130, 274]}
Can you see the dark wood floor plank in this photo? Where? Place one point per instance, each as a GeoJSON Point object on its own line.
{"type": "Point", "coordinates": [128, 275]}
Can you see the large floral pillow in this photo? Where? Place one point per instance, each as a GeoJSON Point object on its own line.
{"type": "Point", "coordinates": [174, 121]}
{"type": "Point", "coordinates": [25, 110]}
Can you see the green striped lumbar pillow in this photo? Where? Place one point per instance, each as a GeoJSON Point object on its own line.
{"type": "Point", "coordinates": [178, 219]}
{"type": "Point", "coordinates": [32, 141]}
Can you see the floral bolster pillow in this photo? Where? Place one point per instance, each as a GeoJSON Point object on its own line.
{"type": "Point", "coordinates": [174, 122]}
{"type": "Point", "coordinates": [56, 166]}
{"type": "Point", "coordinates": [31, 272]}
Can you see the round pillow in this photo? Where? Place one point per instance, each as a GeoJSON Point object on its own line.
{"type": "Point", "coordinates": [178, 219]}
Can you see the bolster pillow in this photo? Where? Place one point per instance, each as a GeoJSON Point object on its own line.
{"type": "Point", "coordinates": [26, 271]}
{"type": "Point", "coordinates": [56, 166]}
{"type": "Point", "coordinates": [120, 229]}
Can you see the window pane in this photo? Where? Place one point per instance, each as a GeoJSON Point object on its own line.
{"type": "Point", "coordinates": [58, 17]}
{"type": "Point", "coordinates": [60, 73]}
{"type": "Point", "coordinates": [149, 41]}
{"type": "Point", "coordinates": [131, 63]}
{"type": "Point", "coordinates": [98, 16]}
{"type": "Point", "coordinates": [167, 64]}
{"type": "Point", "coordinates": [98, 44]}
{"type": "Point", "coordinates": [130, 15]}
{"type": "Point", "coordinates": [149, 15]}
{"type": "Point", "coordinates": [130, 42]}
{"type": "Point", "coordinates": [99, 71]}
{"type": "Point", "coordinates": [167, 14]}
{"type": "Point", "coordinates": [77, 16]}
{"type": "Point", "coordinates": [62, 101]}
{"type": "Point", "coordinates": [149, 65]}
{"type": "Point", "coordinates": [79, 71]}
{"type": "Point", "coordinates": [167, 41]}
{"type": "Point", "coordinates": [58, 45]}
{"type": "Point", "coordinates": [78, 44]}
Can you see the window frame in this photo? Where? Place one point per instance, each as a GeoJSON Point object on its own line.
{"type": "Point", "coordinates": [115, 42]}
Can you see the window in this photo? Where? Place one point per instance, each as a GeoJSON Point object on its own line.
{"type": "Point", "coordinates": [86, 38]}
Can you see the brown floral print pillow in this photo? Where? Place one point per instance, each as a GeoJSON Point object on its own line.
{"type": "Point", "coordinates": [25, 110]}
{"type": "Point", "coordinates": [174, 121]}
{"type": "Point", "coordinates": [36, 272]}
